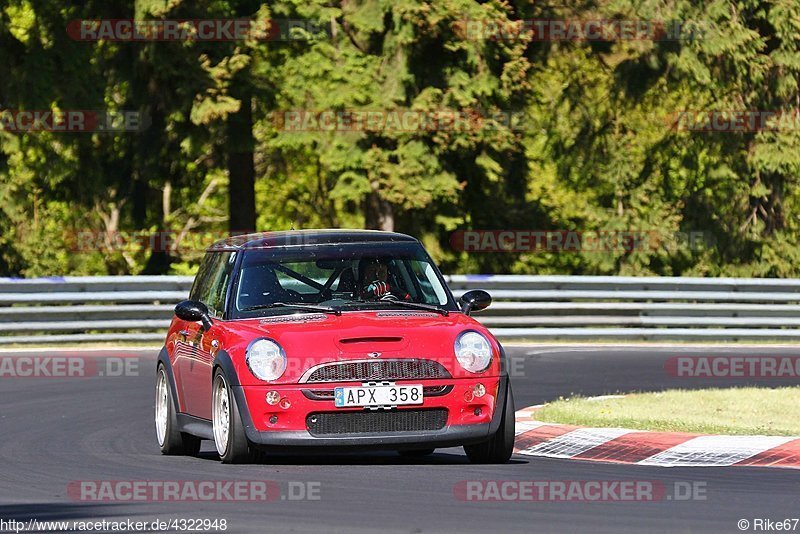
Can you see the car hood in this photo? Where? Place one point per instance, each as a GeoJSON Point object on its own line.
{"type": "Point", "coordinates": [311, 339]}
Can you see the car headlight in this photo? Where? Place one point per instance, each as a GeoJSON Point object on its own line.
{"type": "Point", "coordinates": [473, 351]}
{"type": "Point", "coordinates": [266, 359]}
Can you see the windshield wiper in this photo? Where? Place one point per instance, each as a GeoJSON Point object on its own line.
{"type": "Point", "coordinates": [414, 305]}
{"type": "Point", "coordinates": [321, 309]}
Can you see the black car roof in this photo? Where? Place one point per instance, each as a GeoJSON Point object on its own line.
{"type": "Point", "coordinates": [308, 237]}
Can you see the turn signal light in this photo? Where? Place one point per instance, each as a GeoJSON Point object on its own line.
{"type": "Point", "coordinates": [273, 398]}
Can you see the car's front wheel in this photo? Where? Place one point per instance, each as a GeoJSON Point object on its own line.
{"type": "Point", "coordinates": [498, 448]}
{"type": "Point", "coordinates": [229, 437]}
{"type": "Point", "coordinates": [170, 440]}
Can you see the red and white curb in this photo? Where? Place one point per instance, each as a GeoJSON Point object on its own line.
{"type": "Point", "coordinates": [662, 449]}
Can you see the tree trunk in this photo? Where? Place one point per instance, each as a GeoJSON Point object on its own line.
{"type": "Point", "coordinates": [378, 213]}
{"type": "Point", "coordinates": [241, 169]}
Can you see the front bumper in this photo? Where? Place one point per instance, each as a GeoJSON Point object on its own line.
{"type": "Point", "coordinates": [280, 427]}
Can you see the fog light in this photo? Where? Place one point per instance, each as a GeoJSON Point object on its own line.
{"type": "Point", "coordinates": [477, 411]}
{"type": "Point", "coordinates": [273, 398]}
{"type": "Point", "coordinates": [285, 404]}
{"type": "Point", "coordinates": [479, 391]}
{"type": "Point", "coordinates": [273, 419]}
{"type": "Point", "coordinates": [468, 396]}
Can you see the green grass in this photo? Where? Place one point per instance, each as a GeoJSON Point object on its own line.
{"type": "Point", "coordinates": [739, 411]}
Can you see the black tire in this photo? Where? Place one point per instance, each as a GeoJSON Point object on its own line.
{"type": "Point", "coordinates": [175, 442]}
{"type": "Point", "coordinates": [237, 448]}
{"type": "Point", "coordinates": [416, 453]}
{"type": "Point", "coordinates": [498, 448]}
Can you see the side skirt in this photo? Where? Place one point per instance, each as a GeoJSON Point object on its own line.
{"type": "Point", "coordinates": [202, 428]}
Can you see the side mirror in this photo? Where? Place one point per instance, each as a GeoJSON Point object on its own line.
{"type": "Point", "coordinates": [193, 310]}
{"type": "Point", "coordinates": [475, 300]}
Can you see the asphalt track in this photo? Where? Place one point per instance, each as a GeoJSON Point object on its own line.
{"type": "Point", "coordinates": [54, 431]}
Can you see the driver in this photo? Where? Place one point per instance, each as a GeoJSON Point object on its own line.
{"type": "Point", "coordinates": [374, 280]}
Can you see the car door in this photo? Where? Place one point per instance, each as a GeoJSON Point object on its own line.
{"type": "Point", "coordinates": [186, 342]}
{"type": "Point", "coordinates": [183, 353]}
{"type": "Point", "coordinates": [196, 373]}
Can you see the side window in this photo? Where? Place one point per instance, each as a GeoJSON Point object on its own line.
{"type": "Point", "coordinates": [212, 280]}
{"type": "Point", "coordinates": [220, 282]}
{"type": "Point", "coordinates": [202, 280]}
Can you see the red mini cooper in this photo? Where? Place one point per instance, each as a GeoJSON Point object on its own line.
{"type": "Point", "coordinates": [330, 339]}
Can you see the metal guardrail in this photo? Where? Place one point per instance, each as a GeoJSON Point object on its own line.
{"type": "Point", "coordinates": [139, 308]}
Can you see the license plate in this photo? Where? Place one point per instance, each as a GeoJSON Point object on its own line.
{"type": "Point", "coordinates": [378, 395]}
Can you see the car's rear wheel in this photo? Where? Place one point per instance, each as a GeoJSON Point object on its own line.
{"type": "Point", "coordinates": [229, 437]}
{"type": "Point", "coordinates": [170, 440]}
{"type": "Point", "coordinates": [498, 448]}
{"type": "Point", "coordinates": [416, 453]}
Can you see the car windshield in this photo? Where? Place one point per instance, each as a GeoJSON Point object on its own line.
{"type": "Point", "coordinates": [335, 278]}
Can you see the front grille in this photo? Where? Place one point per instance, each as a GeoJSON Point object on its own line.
{"type": "Point", "coordinates": [365, 371]}
{"type": "Point", "coordinates": [337, 423]}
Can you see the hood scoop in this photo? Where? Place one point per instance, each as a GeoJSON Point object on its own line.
{"type": "Point", "coordinates": [370, 340]}
{"type": "Point", "coordinates": [369, 344]}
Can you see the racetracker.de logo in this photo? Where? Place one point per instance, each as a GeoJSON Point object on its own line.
{"type": "Point", "coordinates": [733, 366]}
{"type": "Point", "coordinates": [541, 30]}
{"type": "Point", "coordinates": [171, 240]}
{"type": "Point", "coordinates": [578, 490]}
{"type": "Point", "coordinates": [192, 490]}
{"type": "Point", "coordinates": [72, 121]}
{"type": "Point", "coordinates": [67, 366]}
{"type": "Point", "coordinates": [734, 121]}
{"type": "Point", "coordinates": [131, 30]}
{"type": "Point", "coordinates": [396, 120]}
{"type": "Point", "coordinates": [574, 241]}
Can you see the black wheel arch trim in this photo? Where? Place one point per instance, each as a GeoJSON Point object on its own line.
{"type": "Point", "coordinates": [503, 361]}
{"type": "Point", "coordinates": [163, 360]}
{"type": "Point", "coordinates": [503, 391]}
{"type": "Point", "coordinates": [223, 361]}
